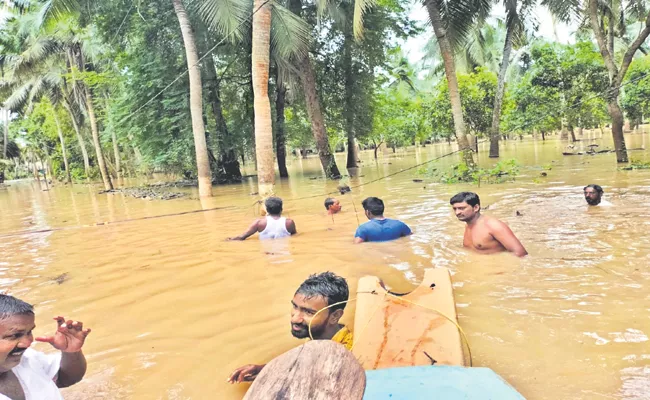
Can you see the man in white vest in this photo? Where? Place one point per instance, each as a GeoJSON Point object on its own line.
{"type": "Point", "coordinates": [273, 226]}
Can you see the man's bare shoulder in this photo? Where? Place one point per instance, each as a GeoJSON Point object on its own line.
{"type": "Point", "coordinates": [494, 223]}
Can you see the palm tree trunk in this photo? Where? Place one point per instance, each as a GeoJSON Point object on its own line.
{"type": "Point", "coordinates": [196, 101]}
{"type": "Point", "coordinates": [108, 185]}
{"type": "Point", "coordinates": [498, 97]}
{"type": "Point", "coordinates": [450, 72]}
{"type": "Point", "coordinates": [280, 139]}
{"type": "Point", "coordinates": [116, 153]}
{"type": "Point", "coordinates": [312, 101]}
{"type": "Point", "coordinates": [348, 111]}
{"type": "Point", "coordinates": [260, 61]}
{"type": "Point", "coordinates": [6, 133]}
{"type": "Point", "coordinates": [80, 139]}
{"type": "Point", "coordinates": [116, 149]}
{"type": "Point", "coordinates": [63, 149]}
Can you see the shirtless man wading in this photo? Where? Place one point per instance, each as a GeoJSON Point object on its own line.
{"type": "Point", "coordinates": [484, 235]}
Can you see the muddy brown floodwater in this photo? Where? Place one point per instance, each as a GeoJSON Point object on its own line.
{"type": "Point", "coordinates": [174, 307]}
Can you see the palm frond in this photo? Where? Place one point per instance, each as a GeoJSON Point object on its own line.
{"type": "Point", "coordinates": [361, 7]}
{"type": "Point", "coordinates": [564, 10]}
{"type": "Point", "coordinates": [290, 34]}
{"type": "Point", "coordinates": [228, 17]}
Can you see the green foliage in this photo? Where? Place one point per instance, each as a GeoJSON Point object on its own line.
{"type": "Point", "coordinates": [563, 82]}
{"type": "Point", "coordinates": [636, 96]}
{"type": "Point", "coordinates": [503, 171]}
{"type": "Point", "coordinates": [477, 91]}
{"type": "Point", "coordinates": [636, 164]}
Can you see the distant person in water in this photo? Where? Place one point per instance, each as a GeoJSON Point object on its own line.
{"type": "Point", "coordinates": [316, 293]}
{"type": "Point", "coordinates": [594, 195]}
{"type": "Point", "coordinates": [273, 226]}
{"type": "Point", "coordinates": [484, 235]}
{"type": "Point", "coordinates": [332, 205]}
{"type": "Point", "coordinates": [379, 228]}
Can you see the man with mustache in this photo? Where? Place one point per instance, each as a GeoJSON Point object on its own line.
{"type": "Point", "coordinates": [26, 374]}
{"type": "Point", "coordinates": [316, 293]}
{"type": "Point", "coordinates": [483, 234]}
{"type": "Point", "coordinates": [594, 196]}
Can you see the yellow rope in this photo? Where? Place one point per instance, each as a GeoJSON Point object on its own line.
{"type": "Point", "coordinates": [462, 332]}
{"type": "Point", "coordinates": [357, 337]}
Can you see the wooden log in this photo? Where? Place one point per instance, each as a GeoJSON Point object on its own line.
{"type": "Point", "coordinates": [317, 370]}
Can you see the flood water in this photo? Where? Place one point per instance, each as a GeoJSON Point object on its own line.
{"type": "Point", "coordinates": [174, 307]}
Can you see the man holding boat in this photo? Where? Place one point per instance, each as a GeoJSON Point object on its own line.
{"type": "Point", "coordinates": [318, 305]}
{"type": "Point", "coordinates": [483, 234]}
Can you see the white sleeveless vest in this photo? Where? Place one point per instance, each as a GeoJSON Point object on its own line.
{"type": "Point", "coordinates": [275, 228]}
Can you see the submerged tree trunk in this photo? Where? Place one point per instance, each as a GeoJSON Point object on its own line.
{"type": "Point", "coordinates": [617, 129]}
{"type": "Point", "coordinates": [227, 163]}
{"type": "Point", "coordinates": [543, 135]}
{"type": "Point", "coordinates": [196, 101]}
{"type": "Point", "coordinates": [108, 185]}
{"type": "Point", "coordinates": [280, 139]}
{"type": "Point", "coordinates": [64, 152]}
{"type": "Point", "coordinates": [116, 153]}
{"type": "Point", "coordinates": [616, 74]}
{"type": "Point", "coordinates": [573, 134]}
{"type": "Point", "coordinates": [5, 141]}
{"type": "Point", "coordinates": [450, 72]}
{"type": "Point", "coordinates": [348, 110]}
{"type": "Point", "coordinates": [80, 140]}
{"type": "Point", "coordinates": [312, 101]}
{"type": "Point", "coordinates": [262, 105]}
{"type": "Point", "coordinates": [498, 97]}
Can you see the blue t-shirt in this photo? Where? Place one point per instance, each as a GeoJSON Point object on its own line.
{"type": "Point", "coordinates": [382, 230]}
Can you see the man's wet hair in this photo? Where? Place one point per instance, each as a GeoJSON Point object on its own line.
{"type": "Point", "coordinates": [597, 188]}
{"type": "Point", "coordinates": [10, 306]}
{"type": "Point", "coordinates": [273, 206]}
{"type": "Point", "coordinates": [470, 198]}
{"type": "Point", "coordinates": [373, 204]}
{"type": "Point", "coordinates": [329, 202]}
{"type": "Point", "coordinates": [329, 285]}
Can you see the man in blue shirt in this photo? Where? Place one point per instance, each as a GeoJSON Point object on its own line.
{"type": "Point", "coordinates": [379, 228]}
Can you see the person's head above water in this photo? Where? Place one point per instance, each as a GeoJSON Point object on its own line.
{"type": "Point", "coordinates": [466, 205]}
{"type": "Point", "coordinates": [16, 325]}
{"type": "Point", "coordinates": [315, 293]}
{"type": "Point", "coordinates": [332, 205]}
{"type": "Point", "coordinates": [593, 194]}
{"type": "Point", "coordinates": [273, 206]}
{"type": "Point", "coordinates": [374, 207]}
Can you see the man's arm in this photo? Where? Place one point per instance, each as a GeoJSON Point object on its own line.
{"type": "Point", "coordinates": [359, 236]}
{"type": "Point", "coordinates": [291, 226]}
{"type": "Point", "coordinates": [72, 370]}
{"type": "Point", "coordinates": [247, 373]}
{"type": "Point", "coordinates": [251, 230]}
{"type": "Point", "coordinates": [502, 233]}
{"type": "Point", "coordinates": [406, 231]}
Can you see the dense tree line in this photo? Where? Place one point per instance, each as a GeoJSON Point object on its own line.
{"type": "Point", "coordinates": [98, 90]}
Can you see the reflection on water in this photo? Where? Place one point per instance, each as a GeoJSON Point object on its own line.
{"type": "Point", "coordinates": [174, 307]}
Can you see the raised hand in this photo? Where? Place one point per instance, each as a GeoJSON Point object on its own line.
{"type": "Point", "coordinates": [69, 336]}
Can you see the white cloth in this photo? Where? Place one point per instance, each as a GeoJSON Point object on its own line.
{"type": "Point", "coordinates": [36, 373]}
{"type": "Point", "coordinates": [275, 228]}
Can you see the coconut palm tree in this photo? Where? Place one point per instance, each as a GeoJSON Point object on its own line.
{"type": "Point", "coordinates": [608, 19]}
{"type": "Point", "coordinates": [516, 13]}
{"type": "Point", "coordinates": [196, 101]}
{"type": "Point", "coordinates": [276, 34]}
